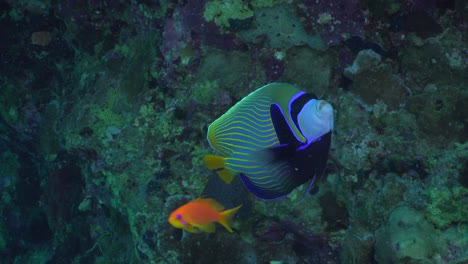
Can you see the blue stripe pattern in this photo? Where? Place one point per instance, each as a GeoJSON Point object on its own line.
{"type": "Point", "coordinates": [243, 131]}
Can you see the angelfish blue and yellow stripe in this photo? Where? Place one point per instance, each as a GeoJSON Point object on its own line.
{"type": "Point", "coordinates": [275, 139]}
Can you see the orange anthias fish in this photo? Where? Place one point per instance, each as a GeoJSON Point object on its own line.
{"type": "Point", "coordinates": [200, 215]}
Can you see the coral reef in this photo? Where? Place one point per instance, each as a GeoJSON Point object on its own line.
{"type": "Point", "coordinates": [374, 80]}
{"type": "Point", "coordinates": [407, 237]}
{"type": "Point", "coordinates": [104, 108]}
{"type": "Point", "coordinates": [282, 28]}
{"type": "Point", "coordinates": [221, 12]}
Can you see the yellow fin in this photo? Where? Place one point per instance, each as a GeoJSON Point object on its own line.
{"type": "Point", "coordinates": [226, 217]}
{"type": "Point", "coordinates": [191, 229]}
{"type": "Point", "coordinates": [216, 163]}
{"type": "Point", "coordinates": [225, 175]}
{"type": "Point", "coordinates": [209, 227]}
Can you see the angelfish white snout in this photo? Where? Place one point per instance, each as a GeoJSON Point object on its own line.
{"type": "Point", "coordinates": [316, 119]}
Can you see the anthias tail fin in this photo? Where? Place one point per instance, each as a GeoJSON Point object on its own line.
{"type": "Point", "coordinates": [226, 217]}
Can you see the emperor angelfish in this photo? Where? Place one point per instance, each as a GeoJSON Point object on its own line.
{"type": "Point", "coordinates": [275, 139]}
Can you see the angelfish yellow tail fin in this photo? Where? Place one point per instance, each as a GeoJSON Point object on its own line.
{"type": "Point", "coordinates": [226, 217]}
{"type": "Point", "coordinates": [216, 163]}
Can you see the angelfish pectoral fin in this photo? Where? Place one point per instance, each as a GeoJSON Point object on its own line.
{"type": "Point", "coordinates": [274, 154]}
{"type": "Point", "coordinates": [308, 189]}
{"type": "Point", "coordinates": [216, 163]}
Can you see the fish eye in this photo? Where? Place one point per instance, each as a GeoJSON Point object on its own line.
{"type": "Point", "coordinates": [179, 217]}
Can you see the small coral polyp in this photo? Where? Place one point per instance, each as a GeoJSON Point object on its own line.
{"type": "Point", "coordinates": [221, 11]}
